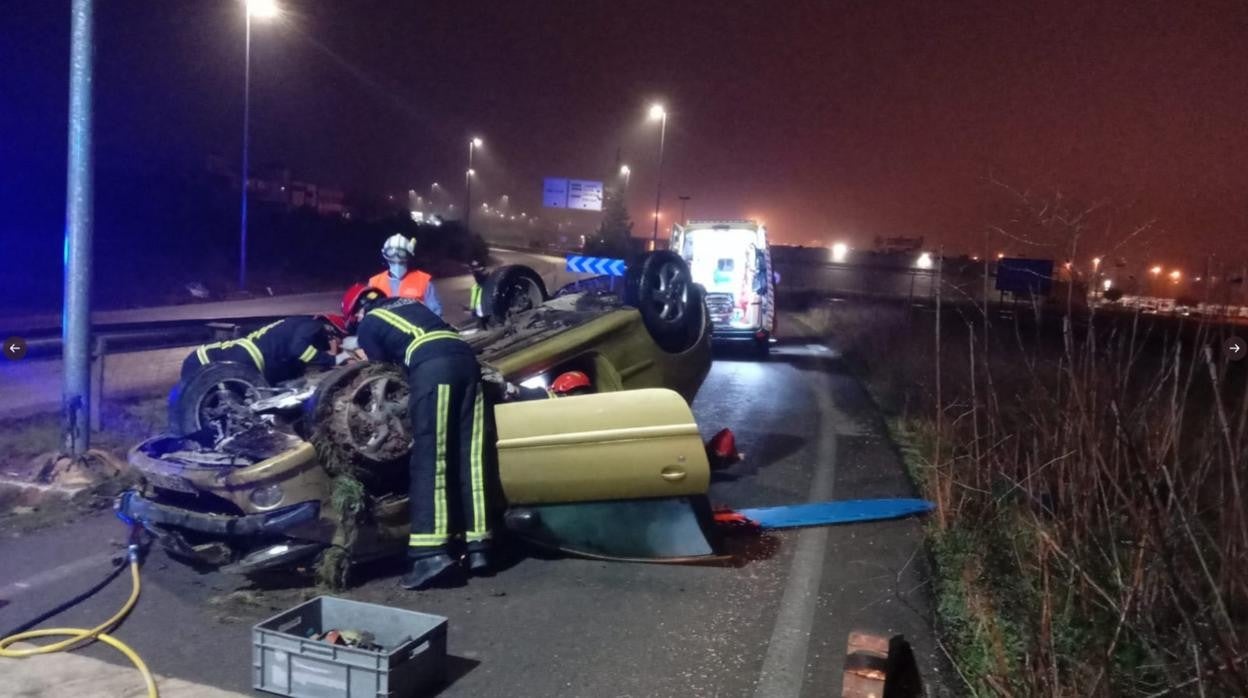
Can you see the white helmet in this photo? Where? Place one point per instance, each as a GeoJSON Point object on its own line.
{"type": "Point", "coordinates": [398, 248]}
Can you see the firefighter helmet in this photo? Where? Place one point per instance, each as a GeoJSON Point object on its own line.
{"type": "Point", "coordinates": [570, 382]}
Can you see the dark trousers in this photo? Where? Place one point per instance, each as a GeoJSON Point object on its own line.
{"type": "Point", "coordinates": [449, 480]}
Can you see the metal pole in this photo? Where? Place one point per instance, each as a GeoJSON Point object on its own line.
{"type": "Point", "coordinates": [246, 169]}
{"type": "Point", "coordinates": [658, 191]}
{"type": "Point", "coordinates": [468, 188]}
{"type": "Point", "coordinates": [76, 320]}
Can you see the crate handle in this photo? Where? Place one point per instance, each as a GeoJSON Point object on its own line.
{"type": "Point", "coordinates": [312, 647]}
{"type": "Point", "coordinates": [418, 649]}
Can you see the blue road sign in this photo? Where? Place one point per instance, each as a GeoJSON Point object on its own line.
{"type": "Point", "coordinates": [596, 265]}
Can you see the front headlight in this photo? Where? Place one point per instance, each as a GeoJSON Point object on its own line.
{"type": "Point", "coordinates": [266, 497]}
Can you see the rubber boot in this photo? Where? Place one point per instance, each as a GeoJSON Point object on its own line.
{"type": "Point", "coordinates": [480, 559]}
{"type": "Point", "coordinates": [428, 570]}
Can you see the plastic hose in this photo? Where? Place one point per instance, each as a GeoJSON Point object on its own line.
{"type": "Point", "coordinates": [81, 636]}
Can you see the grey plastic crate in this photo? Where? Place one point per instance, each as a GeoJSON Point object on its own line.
{"type": "Point", "coordinates": [285, 661]}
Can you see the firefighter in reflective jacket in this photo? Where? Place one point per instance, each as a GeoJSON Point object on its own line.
{"type": "Point", "coordinates": [397, 282]}
{"type": "Point", "coordinates": [475, 305]}
{"type": "Point", "coordinates": [447, 408]}
{"type": "Point", "coordinates": [280, 351]}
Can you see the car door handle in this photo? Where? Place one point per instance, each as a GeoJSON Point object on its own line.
{"type": "Point", "coordinates": [673, 473]}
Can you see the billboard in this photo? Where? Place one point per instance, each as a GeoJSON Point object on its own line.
{"type": "Point", "coordinates": [578, 194]}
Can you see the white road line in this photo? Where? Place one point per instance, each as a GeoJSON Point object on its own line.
{"type": "Point", "coordinates": [784, 667]}
{"type": "Point", "coordinates": [16, 589]}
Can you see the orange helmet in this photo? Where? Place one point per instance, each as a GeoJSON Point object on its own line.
{"type": "Point", "coordinates": [357, 294]}
{"type": "Point", "coordinates": [569, 382]}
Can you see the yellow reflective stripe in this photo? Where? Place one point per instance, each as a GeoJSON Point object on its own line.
{"type": "Point", "coordinates": [474, 297]}
{"type": "Point", "coordinates": [479, 529]}
{"type": "Point", "coordinates": [260, 332]}
{"type": "Point", "coordinates": [202, 354]}
{"type": "Point", "coordinates": [439, 473]}
{"type": "Point", "coordinates": [308, 354]}
{"type": "Point", "coordinates": [428, 337]}
{"type": "Point", "coordinates": [398, 322]}
{"type": "Point", "coordinates": [251, 348]}
{"type": "Point", "coordinates": [422, 540]}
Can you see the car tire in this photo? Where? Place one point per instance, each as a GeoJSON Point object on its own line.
{"type": "Point", "coordinates": [509, 290]}
{"type": "Point", "coordinates": [339, 413]}
{"type": "Point", "coordinates": [672, 307]}
{"type": "Point", "coordinates": [197, 402]}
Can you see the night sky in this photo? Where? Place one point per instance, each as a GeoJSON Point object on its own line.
{"type": "Point", "coordinates": [829, 120]}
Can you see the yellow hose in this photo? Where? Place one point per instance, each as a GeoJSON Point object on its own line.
{"type": "Point", "coordinates": [79, 636]}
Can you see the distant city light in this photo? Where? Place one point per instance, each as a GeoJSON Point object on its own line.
{"type": "Point", "coordinates": [472, 172]}
{"type": "Point", "coordinates": [263, 9]}
{"type": "Point", "coordinates": [657, 112]}
{"type": "Point", "coordinates": [624, 170]}
{"type": "Point", "coordinates": [1176, 275]}
{"type": "Point", "coordinates": [1155, 270]}
{"type": "Point", "coordinates": [1069, 266]}
{"type": "Point", "coordinates": [839, 251]}
{"type": "Point", "coordinates": [1000, 255]}
{"type": "Point", "coordinates": [974, 258]}
{"type": "Point", "coordinates": [1096, 262]}
{"type": "Point", "coordinates": [657, 215]}
{"type": "Point", "coordinates": [1107, 284]}
{"type": "Point", "coordinates": [924, 261]}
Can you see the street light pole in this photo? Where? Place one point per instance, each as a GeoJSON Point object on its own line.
{"type": "Point", "coordinates": [658, 112]}
{"type": "Point", "coordinates": [473, 144]}
{"type": "Point", "coordinates": [76, 320]}
{"type": "Point", "coordinates": [245, 171]}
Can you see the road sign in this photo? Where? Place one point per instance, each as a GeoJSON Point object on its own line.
{"type": "Point", "coordinates": [555, 193]}
{"type": "Point", "coordinates": [579, 194]}
{"type": "Point", "coordinates": [1025, 277]}
{"type": "Point", "coordinates": [584, 195]}
{"type": "Point", "coordinates": [604, 266]}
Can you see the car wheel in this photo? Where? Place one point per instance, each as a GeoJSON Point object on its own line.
{"type": "Point", "coordinates": [672, 307]}
{"type": "Point", "coordinates": [510, 290]}
{"type": "Point", "coordinates": [360, 416]}
{"type": "Point", "coordinates": [218, 395]}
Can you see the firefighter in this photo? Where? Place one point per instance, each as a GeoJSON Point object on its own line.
{"type": "Point", "coordinates": [281, 350]}
{"type": "Point", "coordinates": [398, 282]}
{"type": "Point", "coordinates": [475, 305]}
{"type": "Point", "coordinates": [447, 407]}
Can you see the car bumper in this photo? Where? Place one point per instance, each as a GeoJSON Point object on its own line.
{"type": "Point", "coordinates": [133, 507]}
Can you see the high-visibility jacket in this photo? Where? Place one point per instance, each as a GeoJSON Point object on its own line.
{"type": "Point", "coordinates": [415, 284]}
{"type": "Point", "coordinates": [474, 301]}
{"type": "Point", "coordinates": [403, 331]}
{"type": "Point", "coordinates": [279, 350]}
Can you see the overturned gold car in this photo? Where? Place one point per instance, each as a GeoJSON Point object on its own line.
{"type": "Point", "coordinates": [314, 472]}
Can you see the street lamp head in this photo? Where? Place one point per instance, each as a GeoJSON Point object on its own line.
{"type": "Point", "coordinates": [624, 170]}
{"type": "Point", "coordinates": [839, 252]}
{"type": "Point", "coordinates": [1096, 262]}
{"type": "Point", "coordinates": [657, 112]}
{"type": "Point", "coordinates": [471, 172]}
{"type": "Point", "coordinates": [1155, 270]}
{"type": "Point", "coordinates": [1176, 275]}
{"type": "Point", "coordinates": [263, 9]}
{"type": "Point", "coordinates": [476, 142]}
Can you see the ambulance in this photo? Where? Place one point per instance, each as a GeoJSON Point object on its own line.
{"type": "Point", "coordinates": [730, 258]}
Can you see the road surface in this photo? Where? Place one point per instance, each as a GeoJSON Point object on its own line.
{"type": "Point", "coordinates": [34, 386]}
{"type": "Point", "coordinates": [774, 624]}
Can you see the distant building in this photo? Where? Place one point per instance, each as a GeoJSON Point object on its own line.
{"type": "Point", "coordinates": [898, 244]}
{"type": "Point", "coordinates": [273, 184]}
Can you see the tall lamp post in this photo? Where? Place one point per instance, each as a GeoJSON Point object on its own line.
{"type": "Point", "coordinates": [473, 144]}
{"type": "Point", "coordinates": [658, 113]}
{"type": "Point", "coordinates": [261, 9]}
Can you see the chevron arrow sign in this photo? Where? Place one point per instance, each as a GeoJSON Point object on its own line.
{"type": "Point", "coordinates": [602, 266]}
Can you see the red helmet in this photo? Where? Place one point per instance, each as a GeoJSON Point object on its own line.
{"type": "Point", "coordinates": [570, 381]}
{"type": "Point", "coordinates": [339, 322]}
{"type": "Point", "coordinates": [356, 294]}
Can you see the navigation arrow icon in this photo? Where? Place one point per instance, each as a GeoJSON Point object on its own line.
{"type": "Point", "coordinates": [14, 348]}
{"type": "Point", "coordinates": [1235, 348]}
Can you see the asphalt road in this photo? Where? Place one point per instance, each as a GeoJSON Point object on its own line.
{"type": "Point", "coordinates": [772, 624]}
{"type": "Point", "coordinates": [32, 386]}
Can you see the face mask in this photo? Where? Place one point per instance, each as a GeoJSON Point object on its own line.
{"type": "Point", "coordinates": [398, 270]}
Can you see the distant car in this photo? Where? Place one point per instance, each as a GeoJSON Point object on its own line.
{"type": "Point", "coordinates": [251, 485]}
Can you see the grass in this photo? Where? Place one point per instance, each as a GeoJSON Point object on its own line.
{"type": "Point", "coordinates": [1087, 538]}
